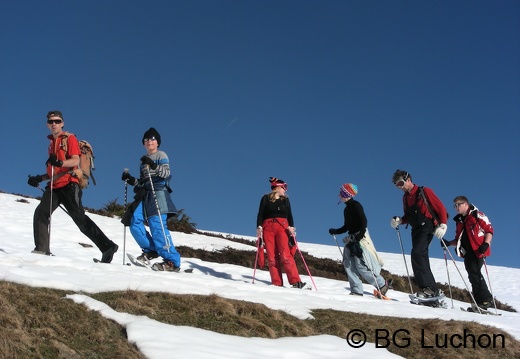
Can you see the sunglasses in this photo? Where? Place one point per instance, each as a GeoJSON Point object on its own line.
{"type": "Point", "coordinates": [456, 205]}
{"type": "Point", "coordinates": [149, 139]}
{"type": "Point", "coordinates": [56, 122]}
{"type": "Point", "coordinates": [400, 182]}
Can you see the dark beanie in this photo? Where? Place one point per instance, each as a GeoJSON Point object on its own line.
{"type": "Point", "coordinates": [152, 132]}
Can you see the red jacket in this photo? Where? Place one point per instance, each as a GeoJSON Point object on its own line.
{"type": "Point", "coordinates": [409, 199]}
{"type": "Point", "coordinates": [62, 175]}
{"type": "Point", "coordinates": [476, 225]}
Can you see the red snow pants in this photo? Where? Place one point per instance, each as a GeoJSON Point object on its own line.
{"type": "Point", "coordinates": [278, 253]}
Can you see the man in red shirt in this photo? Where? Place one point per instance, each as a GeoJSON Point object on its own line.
{"type": "Point", "coordinates": [426, 219]}
{"type": "Point", "coordinates": [63, 189]}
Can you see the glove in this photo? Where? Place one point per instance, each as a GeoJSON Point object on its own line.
{"type": "Point", "coordinates": [128, 178]}
{"type": "Point", "coordinates": [54, 161]}
{"type": "Point", "coordinates": [445, 243]}
{"type": "Point", "coordinates": [395, 221]}
{"type": "Point", "coordinates": [332, 231]}
{"type": "Point", "coordinates": [483, 248]}
{"type": "Point", "coordinates": [34, 180]}
{"type": "Point", "coordinates": [145, 160]}
{"type": "Point", "coordinates": [440, 230]}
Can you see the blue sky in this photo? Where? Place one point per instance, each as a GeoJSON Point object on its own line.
{"type": "Point", "coordinates": [317, 93]}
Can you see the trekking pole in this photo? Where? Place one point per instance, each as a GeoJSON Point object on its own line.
{"type": "Point", "coordinates": [340, 251]}
{"type": "Point", "coordinates": [303, 260]}
{"type": "Point", "coordinates": [166, 240]}
{"type": "Point", "coordinates": [64, 210]}
{"type": "Point", "coordinates": [404, 258]}
{"type": "Point", "coordinates": [50, 206]}
{"type": "Point", "coordinates": [258, 241]}
{"type": "Point", "coordinates": [491, 289]}
{"type": "Point", "coordinates": [371, 270]}
{"type": "Point", "coordinates": [124, 225]}
{"type": "Point", "coordinates": [462, 277]}
{"type": "Point", "coordinates": [448, 273]}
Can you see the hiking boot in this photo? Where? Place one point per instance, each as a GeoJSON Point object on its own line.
{"type": "Point", "coordinates": [425, 293]}
{"type": "Point", "coordinates": [166, 266]}
{"type": "Point", "coordinates": [298, 285]}
{"type": "Point", "coordinates": [356, 294]}
{"type": "Point", "coordinates": [485, 305]}
{"type": "Point", "coordinates": [385, 287]}
{"type": "Point", "coordinates": [109, 253]}
{"type": "Point", "coordinates": [146, 257]}
{"type": "Point", "coordinates": [42, 252]}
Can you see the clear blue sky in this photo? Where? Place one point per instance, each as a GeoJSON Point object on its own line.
{"type": "Point", "coordinates": [317, 93]}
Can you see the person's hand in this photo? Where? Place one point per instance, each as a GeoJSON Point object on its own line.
{"type": "Point", "coordinates": [440, 230]}
{"type": "Point", "coordinates": [259, 232]}
{"type": "Point", "coordinates": [34, 180]}
{"type": "Point", "coordinates": [54, 161]}
{"type": "Point", "coordinates": [445, 243]}
{"type": "Point", "coordinates": [332, 231]}
{"type": "Point", "coordinates": [395, 221]}
{"type": "Point", "coordinates": [128, 178]}
{"type": "Point", "coordinates": [145, 160]}
{"type": "Point", "coordinates": [483, 248]}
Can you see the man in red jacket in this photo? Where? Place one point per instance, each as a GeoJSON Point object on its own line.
{"type": "Point", "coordinates": [473, 236]}
{"type": "Point", "coordinates": [427, 216]}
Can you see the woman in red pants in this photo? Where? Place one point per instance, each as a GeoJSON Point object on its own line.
{"type": "Point", "coordinates": [275, 225]}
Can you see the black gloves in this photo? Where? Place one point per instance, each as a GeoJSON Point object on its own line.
{"type": "Point", "coordinates": [145, 160]}
{"type": "Point", "coordinates": [332, 231]}
{"type": "Point", "coordinates": [128, 178]}
{"type": "Point", "coordinates": [54, 161]}
{"type": "Point", "coordinates": [445, 242]}
{"type": "Point", "coordinates": [34, 180]}
{"type": "Point", "coordinates": [483, 248]}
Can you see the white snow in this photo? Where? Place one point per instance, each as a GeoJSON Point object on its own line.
{"type": "Point", "coordinates": [73, 269]}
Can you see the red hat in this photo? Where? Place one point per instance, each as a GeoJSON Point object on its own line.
{"type": "Point", "coordinates": [275, 182]}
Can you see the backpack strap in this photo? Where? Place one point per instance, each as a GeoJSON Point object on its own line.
{"type": "Point", "coordinates": [420, 192]}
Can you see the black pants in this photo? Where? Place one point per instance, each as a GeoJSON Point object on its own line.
{"type": "Point", "coordinates": [70, 197]}
{"type": "Point", "coordinates": [478, 284]}
{"type": "Point", "coordinates": [421, 238]}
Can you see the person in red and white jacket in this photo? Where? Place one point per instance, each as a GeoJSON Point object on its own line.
{"type": "Point", "coordinates": [473, 235]}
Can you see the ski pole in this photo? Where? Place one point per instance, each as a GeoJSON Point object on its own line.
{"type": "Point", "coordinates": [124, 225]}
{"type": "Point", "coordinates": [166, 240]}
{"type": "Point", "coordinates": [371, 270]}
{"type": "Point", "coordinates": [258, 241]}
{"type": "Point", "coordinates": [404, 258]}
{"type": "Point", "coordinates": [340, 251]}
{"type": "Point", "coordinates": [50, 206]}
{"type": "Point", "coordinates": [303, 260]}
{"type": "Point", "coordinates": [448, 273]}
{"type": "Point", "coordinates": [491, 289]}
{"type": "Point", "coordinates": [462, 277]}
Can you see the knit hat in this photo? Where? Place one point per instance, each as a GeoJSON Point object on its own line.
{"type": "Point", "coordinates": [275, 182]}
{"type": "Point", "coordinates": [152, 132]}
{"type": "Point", "coordinates": [348, 190]}
{"type": "Point", "coordinates": [54, 113]}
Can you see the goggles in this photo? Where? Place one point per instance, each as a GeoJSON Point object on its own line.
{"type": "Point", "coordinates": [401, 181]}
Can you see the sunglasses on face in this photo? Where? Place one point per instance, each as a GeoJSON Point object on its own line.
{"type": "Point", "coordinates": [456, 205]}
{"type": "Point", "coordinates": [56, 122]}
{"type": "Point", "coordinates": [401, 181]}
{"type": "Point", "coordinates": [149, 139]}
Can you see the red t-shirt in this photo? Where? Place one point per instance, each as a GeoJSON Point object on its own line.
{"type": "Point", "coordinates": [64, 148]}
